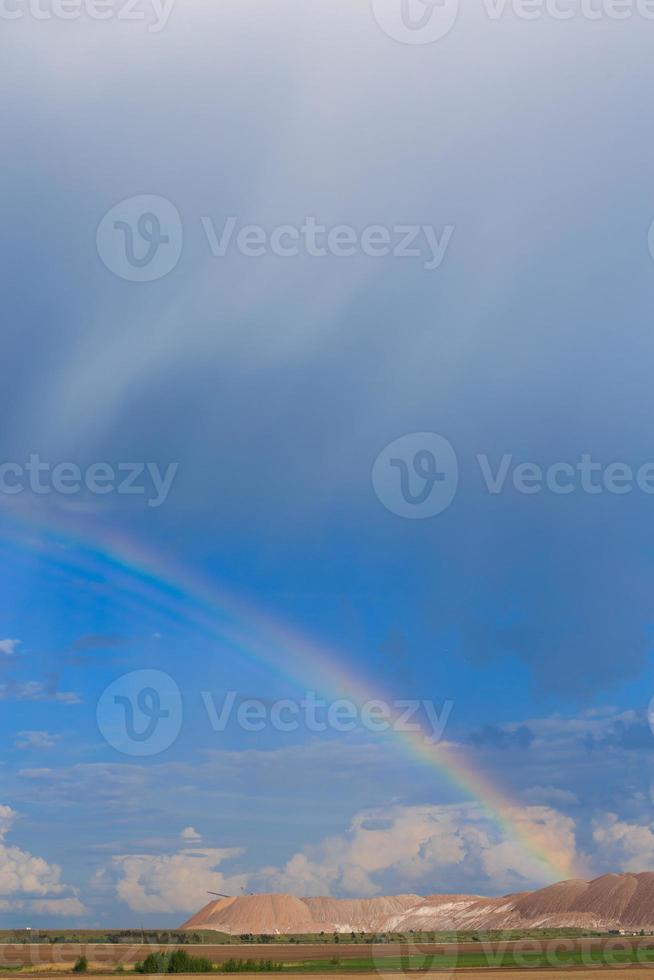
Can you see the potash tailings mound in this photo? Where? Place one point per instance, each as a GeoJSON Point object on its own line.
{"type": "Point", "coordinates": [615, 901]}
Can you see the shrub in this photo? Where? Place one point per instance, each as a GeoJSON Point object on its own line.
{"type": "Point", "coordinates": [154, 963]}
{"type": "Point", "coordinates": [178, 961]}
{"type": "Point", "coordinates": [250, 966]}
{"type": "Point", "coordinates": [181, 962]}
{"type": "Point", "coordinates": [81, 965]}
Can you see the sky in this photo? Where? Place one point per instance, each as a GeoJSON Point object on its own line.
{"type": "Point", "coordinates": [325, 380]}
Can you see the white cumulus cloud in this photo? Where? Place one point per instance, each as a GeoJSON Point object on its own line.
{"type": "Point", "coordinates": [174, 882]}
{"type": "Point", "coordinates": [624, 846]}
{"type": "Point", "coordinates": [35, 740]}
{"type": "Point", "coordinates": [426, 847]}
{"type": "Point", "coordinates": [23, 874]}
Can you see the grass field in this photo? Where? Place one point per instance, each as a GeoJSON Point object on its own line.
{"type": "Point", "coordinates": [556, 954]}
{"type": "Point", "coordinates": [479, 961]}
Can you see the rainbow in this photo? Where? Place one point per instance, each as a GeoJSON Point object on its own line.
{"type": "Point", "coordinates": [150, 577]}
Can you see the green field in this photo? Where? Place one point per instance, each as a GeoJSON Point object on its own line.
{"type": "Point", "coordinates": [505, 960]}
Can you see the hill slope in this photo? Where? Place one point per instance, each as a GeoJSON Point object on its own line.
{"type": "Point", "coordinates": [613, 901]}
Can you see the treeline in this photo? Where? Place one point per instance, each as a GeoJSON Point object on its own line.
{"type": "Point", "coordinates": [250, 966]}
{"type": "Point", "coordinates": [126, 936]}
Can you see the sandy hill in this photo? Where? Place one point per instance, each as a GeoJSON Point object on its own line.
{"type": "Point", "coordinates": [614, 901]}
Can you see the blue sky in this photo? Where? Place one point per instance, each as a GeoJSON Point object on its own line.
{"type": "Point", "coordinates": [272, 384]}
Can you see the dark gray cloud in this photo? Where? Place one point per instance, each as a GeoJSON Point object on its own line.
{"type": "Point", "coordinates": [494, 737]}
{"type": "Point", "coordinates": [634, 735]}
{"type": "Point", "coordinates": [94, 648]}
{"type": "Point", "coordinates": [99, 641]}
